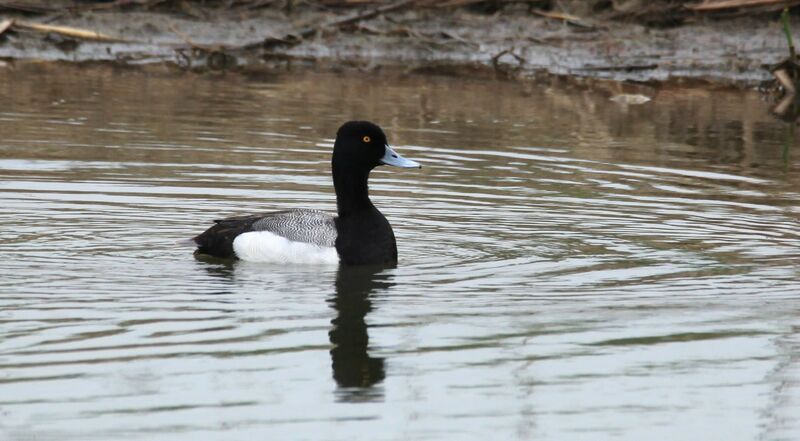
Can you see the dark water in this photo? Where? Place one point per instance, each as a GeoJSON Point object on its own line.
{"type": "Point", "coordinates": [570, 267]}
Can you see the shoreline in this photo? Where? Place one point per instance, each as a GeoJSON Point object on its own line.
{"type": "Point", "coordinates": [728, 53]}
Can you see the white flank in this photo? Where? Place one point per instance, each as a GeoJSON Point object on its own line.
{"type": "Point", "coordinates": [263, 246]}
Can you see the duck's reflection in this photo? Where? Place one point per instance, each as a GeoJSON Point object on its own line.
{"type": "Point", "coordinates": [354, 370]}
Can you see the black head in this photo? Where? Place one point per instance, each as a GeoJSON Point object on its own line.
{"type": "Point", "coordinates": [362, 145]}
{"type": "Point", "coordinates": [359, 144]}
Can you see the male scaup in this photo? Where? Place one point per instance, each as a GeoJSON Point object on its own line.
{"type": "Point", "coordinates": [359, 235]}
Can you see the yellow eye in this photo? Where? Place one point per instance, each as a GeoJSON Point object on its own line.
{"type": "Point", "coordinates": [366, 139]}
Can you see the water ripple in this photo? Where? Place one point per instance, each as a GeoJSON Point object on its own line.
{"type": "Point", "coordinates": [566, 265]}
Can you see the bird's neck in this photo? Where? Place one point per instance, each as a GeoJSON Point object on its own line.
{"type": "Point", "coordinates": [352, 193]}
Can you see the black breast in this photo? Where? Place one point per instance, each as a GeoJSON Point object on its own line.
{"type": "Point", "coordinates": [365, 237]}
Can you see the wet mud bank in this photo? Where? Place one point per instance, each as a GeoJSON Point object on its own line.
{"type": "Point", "coordinates": [514, 42]}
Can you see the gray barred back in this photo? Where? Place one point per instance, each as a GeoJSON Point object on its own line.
{"type": "Point", "coordinates": [309, 226]}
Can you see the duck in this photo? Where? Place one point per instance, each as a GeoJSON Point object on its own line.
{"type": "Point", "coordinates": [359, 234]}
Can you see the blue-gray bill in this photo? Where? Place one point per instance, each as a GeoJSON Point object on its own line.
{"type": "Point", "coordinates": [392, 158]}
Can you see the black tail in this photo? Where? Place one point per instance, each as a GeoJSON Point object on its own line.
{"type": "Point", "coordinates": [218, 240]}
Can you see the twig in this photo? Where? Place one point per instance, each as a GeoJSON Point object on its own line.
{"type": "Point", "coordinates": [5, 25]}
{"type": "Point", "coordinates": [456, 3]}
{"type": "Point", "coordinates": [459, 38]}
{"type": "Point", "coordinates": [369, 14]}
{"type": "Point", "coordinates": [729, 4]}
{"type": "Point", "coordinates": [496, 58]}
{"type": "Point", "coordinates": [294, 38]}
{"type": "Point", "coordinates": [566, 18]}
{"type": "Point", "coordinates": [785, 80]}
{"type": "Point", "coordinates": [628, 68]}
{"type": "Point", "coordinates": [116, 4]}
{"type": "Point", "coordinates": [65, 30]}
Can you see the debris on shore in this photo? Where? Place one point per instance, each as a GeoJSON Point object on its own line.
{"type": "Point", "coordinates": [727, 41]}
